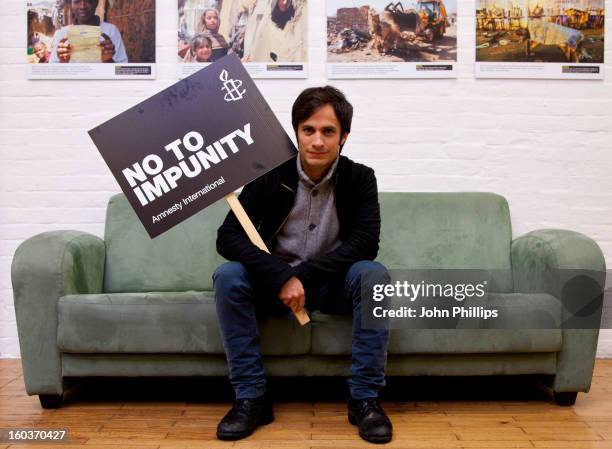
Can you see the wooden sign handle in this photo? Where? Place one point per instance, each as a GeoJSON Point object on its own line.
{"type": "Point", "coordinates": [256, 239]}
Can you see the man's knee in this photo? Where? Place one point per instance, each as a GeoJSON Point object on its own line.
{"type": "Point", "coordinates": [366, 272]}
{"type": "Point", "coordinates": [367, 269]}
{"type": "Point", "coordinates": [229, 276]}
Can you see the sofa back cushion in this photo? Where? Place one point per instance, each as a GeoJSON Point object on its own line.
{"type": "Point", "coordinates": [447, 231]}
{"type": "Point", "coordinates": [419, 230]}
{"type": "Point", "coordinates": [183, 258]}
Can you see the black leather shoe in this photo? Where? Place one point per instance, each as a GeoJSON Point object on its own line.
{"type": "Point", "coordinates": [244, 416]}
{"type": "Point", "coordinates": [374, 425]}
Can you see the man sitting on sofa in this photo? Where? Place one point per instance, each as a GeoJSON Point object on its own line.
{"type": "Point", "coordinates": [321, 217]}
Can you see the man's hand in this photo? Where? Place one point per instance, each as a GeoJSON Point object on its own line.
{"type": "Point", "coordinates": [108, 48]}
{"type": "Point", "coordinates": [292, 294]}
{"type": "Point", "coordinates": [63, 50]}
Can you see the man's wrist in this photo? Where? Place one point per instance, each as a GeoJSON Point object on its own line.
{"type": "Point", "coordinates": [282, 280]}
{"type": "Point", "coordinates": [300, 273]}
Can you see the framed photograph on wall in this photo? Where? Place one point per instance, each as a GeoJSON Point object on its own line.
{"type": "Point", "coordinates": [90, 39]}
{"type": "Point", "coordinates": [382, 39]}
{"type": "Point", "coordinates": [269, 36]}
{"type": "Point", "coordinates": [561, 39]}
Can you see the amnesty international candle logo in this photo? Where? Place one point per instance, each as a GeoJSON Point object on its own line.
{"type": "Point", "coordinates": [232, 87]}
{"type": "Point", "coordinates": [192, 144]}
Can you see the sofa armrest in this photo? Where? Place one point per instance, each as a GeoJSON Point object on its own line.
{"type": "Point", "coordinates": [546, 261]}
{"type": "Point", "coordinates": [536, 253]}
{"type": "Point", "coordinates": [46, 267]}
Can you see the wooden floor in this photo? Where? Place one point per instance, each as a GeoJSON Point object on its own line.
{"type": "Point", "coordinates": [474, 420]}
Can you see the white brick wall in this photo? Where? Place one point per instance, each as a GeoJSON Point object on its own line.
{"type": "Point", "coordinates": [545, 145]}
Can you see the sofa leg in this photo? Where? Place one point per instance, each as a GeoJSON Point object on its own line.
{"type": "Point", "coordinates": [565, 398]}
{"type": "Point", "coordinates": [50, 400]}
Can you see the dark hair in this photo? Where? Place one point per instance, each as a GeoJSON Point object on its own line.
{"type": "Point", "coordinates": [90, 1]}
{"type": "Point", "coordinates": [198, 41]}
{"type": "Point", "coordinates": [280, 18]}
{"type": "Point", "coordinates": [315, 97]}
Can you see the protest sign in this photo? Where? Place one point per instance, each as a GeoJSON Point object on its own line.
{"type": "Point", "coordinates": [192, 144]}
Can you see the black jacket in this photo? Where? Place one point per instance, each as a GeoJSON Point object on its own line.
{"type": "Point", "coordinates": [268, 201]}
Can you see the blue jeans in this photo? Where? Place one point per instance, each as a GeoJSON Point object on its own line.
{"type": "Point", "coordinates": [236, 309]}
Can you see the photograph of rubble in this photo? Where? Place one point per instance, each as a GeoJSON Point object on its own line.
{"type": "Point", "coordinates": [540, 38]}
{"type": "Point", "coordinates": [382, 39]}
{"type": "Point", "coordinates": [269, 36]}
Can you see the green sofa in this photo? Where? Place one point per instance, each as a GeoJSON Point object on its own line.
{"type": "Point", "coordinates": [131, 306]}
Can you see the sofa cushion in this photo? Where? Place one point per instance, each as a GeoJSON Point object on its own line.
{"type": "Point", "coordinates": [183, 258]}
{"type": "Point", "coordinates": [419, 230]}
{"type": "Point", "coordinates": [168, 322]}
{"type": "Point", "coordinates": [520, 330]}
{"type": "Point", "coordinates": [447, 231]}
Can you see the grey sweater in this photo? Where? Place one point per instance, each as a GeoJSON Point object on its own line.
{"type": "Point", "coordinates": [312, 227]}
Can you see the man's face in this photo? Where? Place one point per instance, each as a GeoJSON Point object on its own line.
{"type": "Point", "coordinates": [83, 10]}
{"type": "Point", "coordinates": [319, 139]}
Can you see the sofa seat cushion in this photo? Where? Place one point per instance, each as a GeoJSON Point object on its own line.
{"type": "Point", "coordinates": [161, 322]}
{"type": "Point", "coordinates": [331, 334]}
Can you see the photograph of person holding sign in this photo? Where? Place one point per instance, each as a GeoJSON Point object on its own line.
{"type": "Point", "coordinates": [321, 216]}
{"type": "Point", "coordinates": [110, 44]}
{"type": "Point", "coordinates": [107, 39]}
